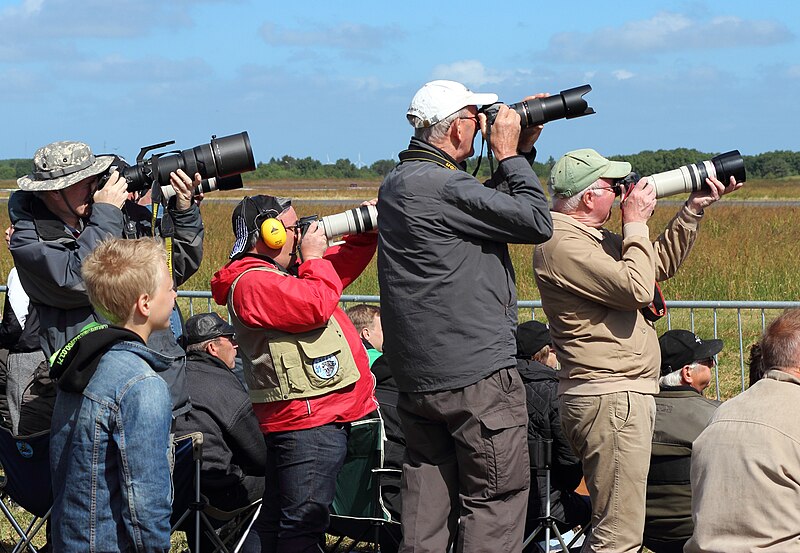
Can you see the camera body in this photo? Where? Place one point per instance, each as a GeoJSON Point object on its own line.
{"type": "Point", "coordinates": [567, 104]}
{"type": "Point", "coordinates": [219, 162]}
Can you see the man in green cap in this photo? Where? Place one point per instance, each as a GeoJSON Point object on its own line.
{"type": "Point", "coordinates": [597, 290]}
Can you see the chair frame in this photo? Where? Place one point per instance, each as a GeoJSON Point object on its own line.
{"type": "Point", "coordinates": [541, 462]}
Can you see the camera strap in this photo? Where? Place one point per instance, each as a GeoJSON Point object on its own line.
{"type": "Point", "coordinates": [425, 155]}
{"type": "Point", "coordinates": [656, 308]}
{"type": "Point", "coordinates": [155, 204]}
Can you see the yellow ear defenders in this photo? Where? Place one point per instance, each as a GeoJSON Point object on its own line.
{"type": "Point", "coordinates": [273, 233]}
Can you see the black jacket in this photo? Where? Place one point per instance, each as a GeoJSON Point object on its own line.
{"type": "Point", "coordinates": [443, 257]}
{"type": "Point", "coordinates": [541, 391]}
{"type": "Point", "coordinates": [233, 446]}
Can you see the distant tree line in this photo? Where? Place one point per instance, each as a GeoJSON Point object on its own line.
{"type": "Point", "coordinates": [768, 165]}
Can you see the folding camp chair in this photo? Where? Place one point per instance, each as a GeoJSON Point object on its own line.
{"type": "Point", "coordinates": [189, 502]}
{"type": "Point", "coordinates": [26, 482]}
{"type": "Point", "coordinates": [358, 508]}
{"type": "Point", "coordinates": [229, 537]}
{"type": "Point", "coordinates": [541, 462]}
{"type": "Point", "coordinates": [186, 500]}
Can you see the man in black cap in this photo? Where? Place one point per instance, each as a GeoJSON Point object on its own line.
{"type": "Point", "coordinates": [681, 414]}
{"type": "Point", "coordinates": [536, 364]}
{"type": "Point", "coordinates": [234, 454]}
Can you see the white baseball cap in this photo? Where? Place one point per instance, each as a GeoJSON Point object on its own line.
{"type": "Point", "coordinates": [437, 100]}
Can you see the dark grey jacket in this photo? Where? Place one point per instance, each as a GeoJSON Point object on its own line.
{"type": "Point", "coordinates": [448, 295]}
{"type": "Point", "coordinates": [48, 259]}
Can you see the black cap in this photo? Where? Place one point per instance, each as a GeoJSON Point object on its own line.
{"type": "Point", "coordinates": [206, 326]}
{"type": "Point", "coordinates": [247, 218]}
{"type": "Point", "coordinates": [681, 347]}
{"type": "Point", "coordinates": [531, 337]}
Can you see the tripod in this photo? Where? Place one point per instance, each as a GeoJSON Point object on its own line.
{"type": "Point", "coordinates": [541, 462]}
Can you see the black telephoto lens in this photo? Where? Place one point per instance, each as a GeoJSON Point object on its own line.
{"type": "Point", "coordinates": [567, 104]}
{"type": "Point", "coordinates": [730, 164]}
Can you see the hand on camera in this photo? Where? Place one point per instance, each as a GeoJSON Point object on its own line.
{"type": "Point", "coordinates": [529, 135]}
{"type": "Point", "coordinates": [372, 202]}
{"type": "Point", "coordinates": [184, 188]}
{"type": "Point", "coordinates": [314, 242]}
{"type": "Point", "coordinates": [115, 191]}
{"type": "Point", "coordinates": [638, 207]}
{"type": "Point", "coordinates": [701, 199]}
{"type": "Point", "coordinates": [505, 134]}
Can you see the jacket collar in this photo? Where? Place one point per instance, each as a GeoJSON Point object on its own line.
{"type": "Point", "coordinates": [206, 359]}
{"type": "Point", "coordinates": [416, 143]}
{"type": "Point", "coordinates": [566, 220]}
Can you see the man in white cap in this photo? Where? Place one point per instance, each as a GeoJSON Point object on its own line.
{"type": "Point", "coordinates": [597, 290]}
{"type": "Point", "coordinates": [60, 217]}
{"type": "Point", "coordinates": [448, 306]}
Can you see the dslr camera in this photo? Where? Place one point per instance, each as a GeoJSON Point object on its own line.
{"type": "Point", "coordinates": [220, 163]}
{"type": "Point", "coordinates": [566, 104]}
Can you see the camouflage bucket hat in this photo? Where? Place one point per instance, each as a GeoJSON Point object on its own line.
{"type": "Point", "coordinates": [62, 164]}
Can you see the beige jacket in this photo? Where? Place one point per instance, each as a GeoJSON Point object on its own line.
{"type": "Point", "coordinates": [592, 284]}
{"type": "Point", "coordinates": [746, 472]}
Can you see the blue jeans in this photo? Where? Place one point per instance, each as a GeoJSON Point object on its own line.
{"type": "Point", "coordinates": [302, 466]}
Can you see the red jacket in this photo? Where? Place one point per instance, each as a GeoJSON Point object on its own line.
{"type": "Point", "coordinates": [298, 305]}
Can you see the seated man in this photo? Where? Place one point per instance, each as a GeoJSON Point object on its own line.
{"type": "Point", "coordinates": [745, 473]}
{"type": "Point", "coordinates": [681, 414]}
{"type": "Point", "coordinates": [234, 453]}
{"type": "Point", "coordinates": [541, 391]}
{"type": "Point", "coordinates": [367, 320]}
{"type": "Point", "coordinates": [110, 441]}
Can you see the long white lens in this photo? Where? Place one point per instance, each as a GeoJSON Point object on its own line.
{"type": "Point", "coordinates": [353, 221]}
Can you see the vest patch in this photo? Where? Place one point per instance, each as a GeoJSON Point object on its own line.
{"type": "Point", "coordinates": [326, 367]}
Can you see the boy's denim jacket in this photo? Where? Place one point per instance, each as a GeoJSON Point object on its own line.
{"type": "Point", "coordinates": [110, 449]}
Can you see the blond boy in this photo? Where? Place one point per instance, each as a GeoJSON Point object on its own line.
{"type": "Point", "coordinates": [110, 429]}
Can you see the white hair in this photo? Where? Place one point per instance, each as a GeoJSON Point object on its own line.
{"type": "Point", "coordinates": [674, 378]}
{"type": "Point", "coordinates": [570, 204]}
{"type": "Point", "coordinates": [437, 133]}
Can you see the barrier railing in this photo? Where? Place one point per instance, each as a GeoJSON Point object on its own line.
{"type": "Point", "coordinates": [738, 323]}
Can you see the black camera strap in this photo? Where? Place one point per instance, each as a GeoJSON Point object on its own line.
{"type": "Point", "coordinates": [656, 308]}
{"type": "Point", "coordinates": [425, 155]}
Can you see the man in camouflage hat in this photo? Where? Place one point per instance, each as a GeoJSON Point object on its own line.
{"type": "Point", "coordinates": [60, 216]}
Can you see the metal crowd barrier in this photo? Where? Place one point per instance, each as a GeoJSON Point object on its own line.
{"type": "Point", "coordinates": [738, 323]}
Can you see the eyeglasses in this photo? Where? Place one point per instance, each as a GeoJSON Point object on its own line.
{"type": "Point", "coordinates": [617, 189]}
{"type": "Point", "coordinates": [709, 362]}
{"type": "Point", "coordinates": [473, 118]}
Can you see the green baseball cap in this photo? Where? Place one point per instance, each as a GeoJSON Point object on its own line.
{"type": "Point", "coordinates": [577, 170]}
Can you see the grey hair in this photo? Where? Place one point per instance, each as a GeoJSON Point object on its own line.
{"type": "Point", "coordinates": [674, 378]}
{"type": "Point", "coordinates": [199, 346]}
{"type": "Point", "coordinates": [569, 205]}
{"type": "Point", "coordinates": [671, 379]}
{"type": "Point", "coordinates": [436, 133]}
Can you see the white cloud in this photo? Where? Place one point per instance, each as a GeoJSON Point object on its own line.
{"type": "Point", "coordinates": [665, 32]}
{"type": "Point", "coordinates": [470, 72]}
{"type": "Point", "coordinates": [622, 74]}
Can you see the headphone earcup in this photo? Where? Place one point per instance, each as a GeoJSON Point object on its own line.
{"type": "Point", "coordinates": [273, 233]}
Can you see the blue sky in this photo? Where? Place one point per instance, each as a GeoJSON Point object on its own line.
{"type": "Point", "coordinates": [333, 80]}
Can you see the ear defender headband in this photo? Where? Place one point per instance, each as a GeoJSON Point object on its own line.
{"type": "Point", "coordinates": [273, 233]}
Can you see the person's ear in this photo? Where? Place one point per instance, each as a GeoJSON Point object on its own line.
{"type": "Point", "coordinates": [686, 374]}
{"type": "Point", "coordinates": [211, 348]}
{"type": "Point", "coordinates": [143, 305]}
